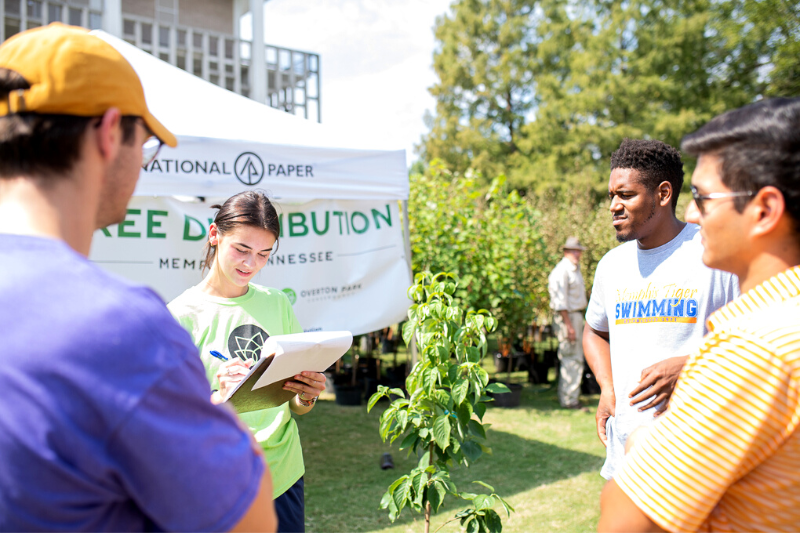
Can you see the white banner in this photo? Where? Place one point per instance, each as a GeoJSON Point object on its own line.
{"type": "Point", "coordinates": [341, 262]}
{"type": "Point", "coordinates": [221, 168]}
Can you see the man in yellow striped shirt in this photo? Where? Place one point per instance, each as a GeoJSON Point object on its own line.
{"type": "Point", "coordinates": [726, 454]}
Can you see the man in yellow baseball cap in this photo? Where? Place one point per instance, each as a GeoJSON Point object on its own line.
{"type": "Point", "coordinates": [105, 418]}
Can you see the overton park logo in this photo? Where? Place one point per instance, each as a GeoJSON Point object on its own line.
{"type": "Point", "coordinates": [249, 168]}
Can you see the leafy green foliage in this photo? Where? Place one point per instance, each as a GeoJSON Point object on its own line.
{"type": "Point", "coordinates": [440, 419]}
{"type": "Point", "coordinates": [490, 238]}
{"type": "Point", "coordinates": [544, 91]}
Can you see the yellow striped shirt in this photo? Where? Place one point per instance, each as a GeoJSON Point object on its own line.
{"type": "Point", "coordinates": [726, 454]}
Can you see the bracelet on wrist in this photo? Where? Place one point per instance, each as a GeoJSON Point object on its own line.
{"type": "Point", "coordinates": [307, 403]}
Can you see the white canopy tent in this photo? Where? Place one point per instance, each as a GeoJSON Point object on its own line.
{"type": "Point", "coordinates": [343, 259]}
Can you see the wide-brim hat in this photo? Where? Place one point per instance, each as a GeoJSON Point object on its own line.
{"type": "Point", "coordinates": [572, 244]}
{"type": "Point", "coordinates": [71, 72]}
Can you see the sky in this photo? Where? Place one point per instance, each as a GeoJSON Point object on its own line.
{"type": "Point", "coordinates": [376, 60]}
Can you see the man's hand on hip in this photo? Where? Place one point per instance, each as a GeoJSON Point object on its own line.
{"type": "Point", "coordinates": [605, 409]}
{"type": "Point", "coordinates": [658, 382]}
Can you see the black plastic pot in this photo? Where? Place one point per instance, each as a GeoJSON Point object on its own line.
{"type": "Point", "coordinates": [509, 399]}
{"type": "Point", "coordinates": [348, 395]}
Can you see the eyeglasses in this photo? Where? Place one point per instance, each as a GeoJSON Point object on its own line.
{"type": "Point", "coordinates": [699, 199]}
{"type": "Point", "coordinates": [150, 150]}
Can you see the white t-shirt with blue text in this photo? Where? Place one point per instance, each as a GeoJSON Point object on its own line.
{"type": "Point", "coordinates": [654, 305]}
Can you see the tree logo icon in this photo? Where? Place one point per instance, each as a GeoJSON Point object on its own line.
{"type": "Point", "coordinates": [249, 168]}
{"type": "Point", "coordinates": [291, 294]}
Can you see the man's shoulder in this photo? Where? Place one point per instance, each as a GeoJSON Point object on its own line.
{"type": "Point", "coordinates": [623, 252]}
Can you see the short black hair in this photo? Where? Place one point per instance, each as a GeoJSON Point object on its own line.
{"type": "Point", "coordinates": [656, 161]}
{"type": "Point", "coordinates": [758, 145]}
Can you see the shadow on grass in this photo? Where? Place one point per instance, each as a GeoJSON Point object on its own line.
{"type": "Point", "coordinates": [344, 482]}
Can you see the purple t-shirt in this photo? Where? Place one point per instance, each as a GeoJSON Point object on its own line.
{"type": "Point", "coordinates": [105, 419]}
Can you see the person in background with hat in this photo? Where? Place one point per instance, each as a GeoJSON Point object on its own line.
{"type": "Point", "coordinates": [568, 301]}
{"type": "Point", "coordinates": [102, 390]}
{"type": "Point", "coordinates": [651, 295]}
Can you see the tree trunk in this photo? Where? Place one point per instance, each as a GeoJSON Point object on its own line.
{"type": "Point", "coordinates": [428, 503]}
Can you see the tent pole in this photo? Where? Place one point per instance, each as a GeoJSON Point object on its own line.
{"type": "Point", "coordinates": [407, 238]}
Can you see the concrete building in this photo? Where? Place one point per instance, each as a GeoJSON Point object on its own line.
{"type": "Point", "coordinates": [200, 36]}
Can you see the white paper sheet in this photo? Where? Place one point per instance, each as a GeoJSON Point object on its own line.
{"type": "Point", "coordinates": [295, 353]}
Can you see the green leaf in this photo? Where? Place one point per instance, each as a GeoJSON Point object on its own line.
{"type": "Point", "coordinates": [408, 331]}
{"type": "Point", "coordinates": [464, 413]}
{"type": "Point", "coordinates": [480, 409]}
{"type": "Point", "coordinates": [460, 390]}
{"type": "Point", "coordinates": [420, 483]}
{"type": "Point", "coordinates": [400, 494]}
{"type": "Point", "coordinates": [493, 522]}
{"type": "Point", "coordinates": [497, 388]}
{"type": "Point", "coordinates": [429, 379]}
{"type": "Point", "coordinates": [444, 355]}
{"type": "Point", "coordinates": [435, 496]}
{"type": "Point", "coordinates": [402, 419]}
{"type": "Point", "coordinates": [506, 506]}
{"type": "Point", "coordinates": [472, 450]}
{"type": "Point", "coordinates": [473, 355]}
{"type": "Point", "coordinates": [482, 501]}
{"type": "Point", "coordinates": [373, 400]}
{"type": "Point", "coordinates": [387, 497]}
{"type": "Point", "coordinates": [441, 431]}
{"type": "Point", "coordinates": [409, 441]}
{"type": "Point", "coordinates": [476, 428]}
{"type": "Point", "coordinates": [439, 490]}
{"type": "Point", "coordinates": [398, 392]}
{"type": "Point", "coordinates": [481, 483]}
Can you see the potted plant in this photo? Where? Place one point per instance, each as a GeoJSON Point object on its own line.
{"type": "Point", "coordinates": [440, 420]}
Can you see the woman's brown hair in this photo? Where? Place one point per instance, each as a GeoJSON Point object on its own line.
{"type": "Point", "coordinates": [248, 208]}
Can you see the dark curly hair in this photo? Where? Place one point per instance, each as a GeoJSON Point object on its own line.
{"type": "Point", "coordinates": [656, 162]}
{"type": "Point", "coordinates": [758, 145]}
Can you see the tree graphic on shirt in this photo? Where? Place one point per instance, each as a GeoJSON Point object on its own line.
{"type": "Point", "coordinates": [246, 342]}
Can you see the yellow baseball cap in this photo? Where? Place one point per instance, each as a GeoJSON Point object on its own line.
{"type": "Point", "coordinates": [71, 72]}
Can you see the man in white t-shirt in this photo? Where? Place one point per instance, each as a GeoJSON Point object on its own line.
{"type": "Point", "coordinates": [651, 296]}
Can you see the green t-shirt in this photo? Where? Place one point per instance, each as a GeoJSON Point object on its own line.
{"type": "Point", "coordinates": [238, 327]}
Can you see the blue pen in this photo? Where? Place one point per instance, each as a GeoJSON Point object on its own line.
{"type": "Point", "coordinates": [218, 355]}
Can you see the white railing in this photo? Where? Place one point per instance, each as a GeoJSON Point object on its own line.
{"type": "Point", "coordinates": [293, 82]}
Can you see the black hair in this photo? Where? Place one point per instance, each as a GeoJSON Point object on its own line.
{"type": "Point", "coordinates": [42, 145]}
{"type": "Point", "coordinates": [758, 145]}
{"type": "Point", "coordinates": [656, 162]}
{"type": "Point", "coordinates": [248, 208]}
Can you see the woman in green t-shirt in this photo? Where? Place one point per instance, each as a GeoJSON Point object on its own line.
{"type": "Point", "coordinates": [226, 313]}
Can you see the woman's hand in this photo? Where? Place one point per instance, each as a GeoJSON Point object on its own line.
{"type": "Point", "coordinates": [229, 374]}
{"type": "Point", "coordinates": [307, 385]}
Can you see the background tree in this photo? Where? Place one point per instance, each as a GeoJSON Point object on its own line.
{"type": "Point", "coordinates": [489, 237]}
{"type": "Point", "coordinates": [578, 76]}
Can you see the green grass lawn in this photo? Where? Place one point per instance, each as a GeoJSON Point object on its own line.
{"type": "Point", "coordinates": [546, 463]}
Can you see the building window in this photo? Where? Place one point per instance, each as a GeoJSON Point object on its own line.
{"type": "Point", "coordinates": [182, 38]}
{"type": "Point", "coordinates": [147, 33]}
{"type": "Point", "coordinates": [163, 37]}
{"type": "Point", "coordinates": [95, 21]}
{"type": "Point", "coordinates": [213, 46]}
{"type": "Point", "coordinates": [128, 28]}
{"type": "Point", "coordinates": [34, 9]}
{"type": "Point", "coordinates": [11, 27]}
{"type": "Point", "coordinates": [12, 8]}
{"type": "Point", "coordinates": [55, 13]}
{"type": "Point", "coordinates": [75, 17]}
